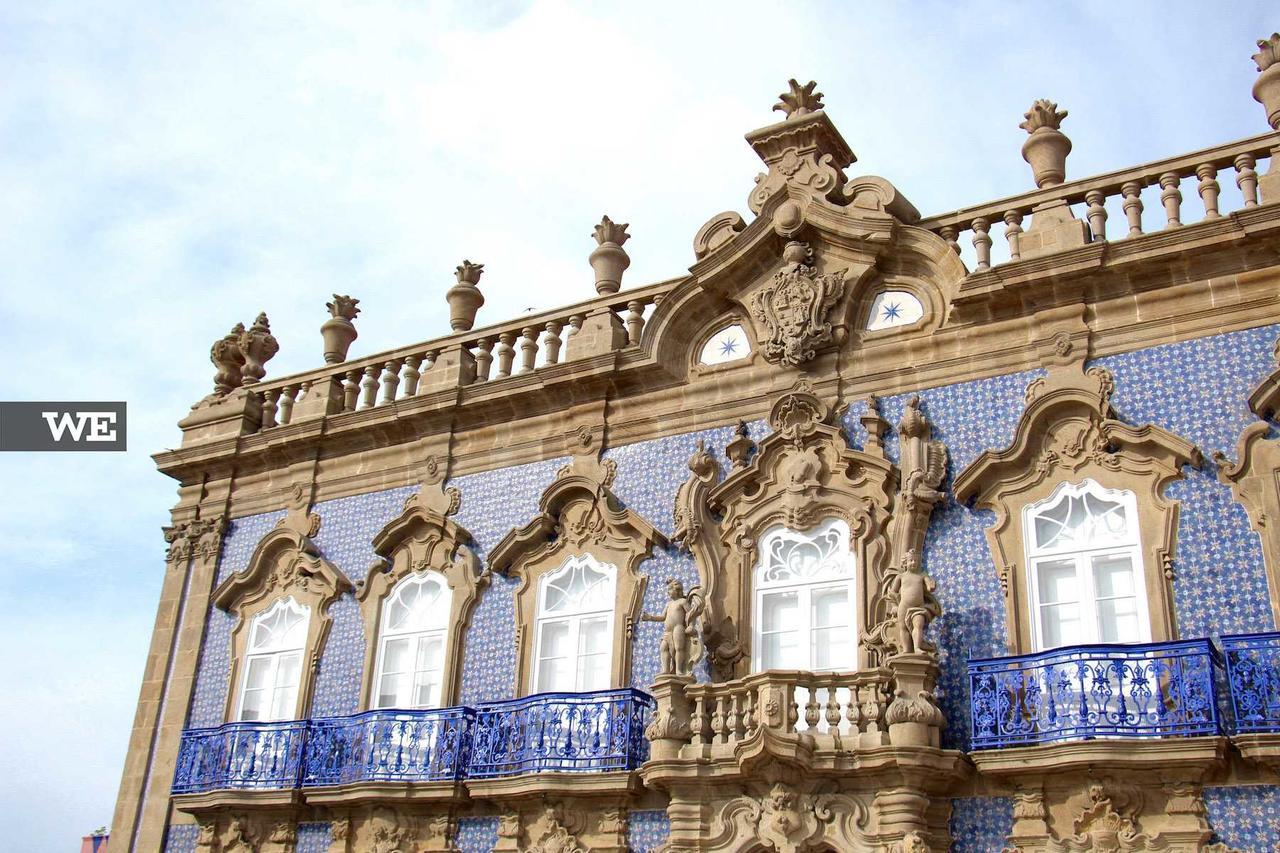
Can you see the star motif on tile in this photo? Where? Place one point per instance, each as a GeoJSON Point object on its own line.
{"type": "Point", "coordinates": [893, 311]}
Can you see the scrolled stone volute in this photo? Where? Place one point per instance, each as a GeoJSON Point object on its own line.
{"type": "Point", "coordinates": [1047, 147]}
{"type": "Point", "coordinates": [609, 260]}
{"type": "Point", "coordinates": [465, 298]}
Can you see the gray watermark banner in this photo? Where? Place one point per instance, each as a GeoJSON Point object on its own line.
{"type": "Point", "coordinates": [62, 426]}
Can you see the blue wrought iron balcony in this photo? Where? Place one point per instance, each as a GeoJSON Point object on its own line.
{"type": "Point", "coordinates": [388, 746]}
{"type": "Point", "coordinates": [1106, 691]}
{"type": "Point", "coordinates": [561, 731]}
{"type": "Point", "coordinates": [550, 731]}
{"type": "Point", "coordinates": [1253, 682]}
{"type": "Point", "coordinates": [240, 756]}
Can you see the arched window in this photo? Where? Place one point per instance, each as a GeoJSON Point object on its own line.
{"type": "Point", "coordinates": [1084, 554]}
{"type": "Point", "coordinates": [411, 638]}
{"type": "Point", "coordinates": [893, 308]}
{"type": "Point", "coordinates": [574, 648]}
{"type": "Point", "coordinates": [805, 602]}
{"type": "Point", "coordinates": [273, 662]}
{"type": "Point", "coordinates": [724, 345]}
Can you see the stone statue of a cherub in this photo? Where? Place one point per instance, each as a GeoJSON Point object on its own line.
{"type": "Point", "coordinates": [681, 646]}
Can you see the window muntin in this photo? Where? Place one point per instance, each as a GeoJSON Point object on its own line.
{"type": "Point", "coordinates": [1085, 560]}
{"type": "Point", "coordinates": [573, 649]}
{"type": "Point", "coordinates": [273, 662]}
{"type": "Point", "coordinates": [411, 643]}
{"type": "Point", "coordinates": [805, 602]}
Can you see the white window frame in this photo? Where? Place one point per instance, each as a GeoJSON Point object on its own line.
{"type": "Point", "coordinates": [415, 636]}
{"type": "Point", "coordinates": [574, 618]}
{"type": "Point", "coordinates": [274, 656]}
{"type": "Point", "coordinates": [1083, 557]}
{"type": "Point", "coordinates": [847, 580]}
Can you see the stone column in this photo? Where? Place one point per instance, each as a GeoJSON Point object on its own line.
{"type": "Point", "coordinates": [142, 807]}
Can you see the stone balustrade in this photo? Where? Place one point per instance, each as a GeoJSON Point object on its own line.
{"type": "Point", "coordinates": [600, 327]}
{"type": "Point", "coordinates": [1158, 189]}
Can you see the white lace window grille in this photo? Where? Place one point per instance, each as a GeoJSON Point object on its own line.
{"type": "Point", "coordinates": [1085, 558]}
{"type": "Point", "coordinates": [412, 636]}
{"type": "Point", "coordinates": [574, 648]}
{"type": "Point", "coordinates": [273, 662]}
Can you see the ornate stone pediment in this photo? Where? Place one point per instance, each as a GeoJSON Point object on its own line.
{"type": "Point", "coordinates": [1067, 433]}
{"type": "Point", "coordinates": [425, 538]}
{"type": "Point", "coordinates": [578, 515]}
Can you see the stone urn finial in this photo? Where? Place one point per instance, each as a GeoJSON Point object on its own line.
{"type": "Point", "coordinates": [609, 260]}
{"type": "Point", "coordinates": [1047, 147]}
{"type": "Point", "coordinates": [800, 100]}
{"type": "Point", "coordinates": [464, 297]}
{"type": "Point", "coordinates": [1266, 89]}
{"type": "Point", "coordinates": [227, 357]}
{"type": "Point", "coordinates": [338, 331]}
{"type": "Point", "coordinates": [258, 346]}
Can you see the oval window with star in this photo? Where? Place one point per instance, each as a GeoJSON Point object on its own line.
{"type": "Point", "coordinates": [893, 308]}
{"type": "Point", "coordinates": [727, 344]}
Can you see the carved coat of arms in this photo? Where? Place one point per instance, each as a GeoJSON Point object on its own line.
{"type": "Point", "coordinates": [793, 307]}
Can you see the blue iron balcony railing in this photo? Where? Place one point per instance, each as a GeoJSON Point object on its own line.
{"type": "Point", "coordinates": [388, 746]}
{"type": "Point", "coordinates": [550, 731]}
{"type": "Point", "coordinates": [1104, 691]}
{"type": "Point", "coordinates": [240, 755]}
{"type": "Point", "coordinates": [561, 731]}
{"type": "Point", "coordinates": [1253, 681]}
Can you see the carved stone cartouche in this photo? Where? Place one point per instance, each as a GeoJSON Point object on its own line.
{"type": "Point", "coordinates": [792, 308]}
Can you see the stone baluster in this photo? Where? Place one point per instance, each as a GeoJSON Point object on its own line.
{"type": "Point", "coordinates": [749, 721]}
{"type": "Point", "coordinates": [412, 374]}
{"type": "Point", "coordinates": [505, 353]}
{"type": "Point", "coordinates": [1209, 189]}
{"type": "Point", "coordinates": [982, 242]}
{"type": "Point", "coordinates": [793, 709]}
{"type": "Point", "coordinates": [853, 711]}
{"type": "Point", "coordinates": [1171, 198]}
{"type": "Point", "coordinates": [575, 325]}
{"type": "Point", "coordinates": [717, 720]}
{"type": "Point", "coordinates": [811, 707]}
{"type": "Point", "coordinates": [734, 721]}
{"type": "Point", "coordinates": [1247, 179]}
{"type": "Point", "coordinates": [949, 234]}
{"type": "Point", "coordinates": [833, 704]}
{"type": "Point", "coordinates": [390, 380]}
{"type": "Point", "coordinates": [551, 341]}
{"type": "Point", "coordinates": [1013, 219]}
{"type": "Point", "coordinates": [350, 390]}
{"type": "Point", "coordinates": [528, 348]}
{"type": "Point", "coordinates": [872, 708]}
{"type": "Point", "coordinates": [369, 387]}
{"type": "Point", "coordinates": [634, 321]}
{"type": "Point", "coordinates": [287, 396]}
{"type": "Point", "coordinates": [269, 408]}
{"type": "Point", "coordinates": [697, 722]}
{"type": "Point", "coordinates": [484, 359]}
{"type": "Point", "coordinates": [1132, 192]}
{"type": "Point", "coordinates": [1097, 214]}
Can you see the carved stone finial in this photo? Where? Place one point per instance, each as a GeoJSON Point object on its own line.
{"type": "Point", "coordinates": [1047, 147]}
{"type": "Point", "coordinates": [738, 450]}
{"type": "Point", "coordinates": [609, 260]}
{"type": "Point", "coordinates": [465, 298]}
{"type": "Point", "coordinates": [229, 359]}
{"type": "Point", "coordinates": [338, 331]}
{"type": "Point", "coordinates": [800, 100]}
{"type": "Point", "coordinates": [259, 346]}
{"type": "Point", "coordinates": [1266, 89]}
{"type": "Point", "coordinates": [913, 423]}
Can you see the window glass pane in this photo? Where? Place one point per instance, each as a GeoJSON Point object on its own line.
{"type": "Point", "coordinates": [251, 707]}
{"type": "Point", "coordinates": [1113, 576]}
{"type": "Point", "coordinates": [780, 631]}
{"type": "Point", "coordinates": [779, 611]}
{"type": "Point", "coordinates": [390, 689]}
{"type": "Point", "coordinates": [554, 675]}
{"type": "Point", "coordinates": [259, 671]}
{"type": "Point", "coordinates": [1060, 625]}
{"type": "Point", "coordinates": [593, 637]}
{"type": "Point", "coordinates": [1118, 621]}
{"type": "Point", "coordinates": [395, 655]}
{"type": "Point", "coordinates": [555, 640]}
{"type": "Point", "coordinates": [1057, 581]}
{"type": "Point", "coordinates": [288, 669]}
{"type": "Point", "coordinates": [831, 608]}
{"type": "Point", "coordinates": [833, 648]}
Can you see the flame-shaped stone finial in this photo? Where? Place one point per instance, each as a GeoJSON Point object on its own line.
{"type": "Point", "coordinates": [1043, 113]}
{"type": "Point", "coordinates": [1268, 52]}
{"type": "Point", "coordinates": [800, 101]}
{"type": "Point", "coordinates": [609, 231]}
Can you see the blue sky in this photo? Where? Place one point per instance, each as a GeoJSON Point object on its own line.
{"type": "Point", "coordinates": [167, 170]}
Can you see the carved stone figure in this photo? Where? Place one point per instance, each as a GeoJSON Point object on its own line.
{"type": "Point", "coordinates": [207, 837]}
{"type": "Point", "coordinates": [681, 648]}
{"type": "Point", "coordinates": [792, 308]}
{"type": "Point", "coordinates": [916, 605]}
{"type": "Point", "coordinates": [239, 838]}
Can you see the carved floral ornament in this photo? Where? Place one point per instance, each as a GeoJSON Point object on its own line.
{"type": "Point", "coordinates": [286, 562]}
{"type": "Point", "coordinates": [803, 473]}
{"type": "Point", "coordinates": [785, 818]}
{"type": "Point", "coordinates": [1068, 433]}
{"type": "Point", "coordinates": [424, 538]}
{"type": "Point", "coordinates": [579, 516]}
{"type": "Point", "coordinates": [195, 538]}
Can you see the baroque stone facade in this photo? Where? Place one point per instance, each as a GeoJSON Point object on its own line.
{"type": "Point", "coordinates": [727, 563]}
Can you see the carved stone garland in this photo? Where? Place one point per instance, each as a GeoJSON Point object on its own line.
{"type": "Point", "coordinates": [1067, 433]}
{"type": "Point", "coordinates": [286, 562]}
{"type": "Point", "coordinates": [424, 538]}
{"type": "Point", "coordinates": [579, 515]}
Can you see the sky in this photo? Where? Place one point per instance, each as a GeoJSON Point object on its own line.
{"type": "Point", "coordinates": [168, 170]}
